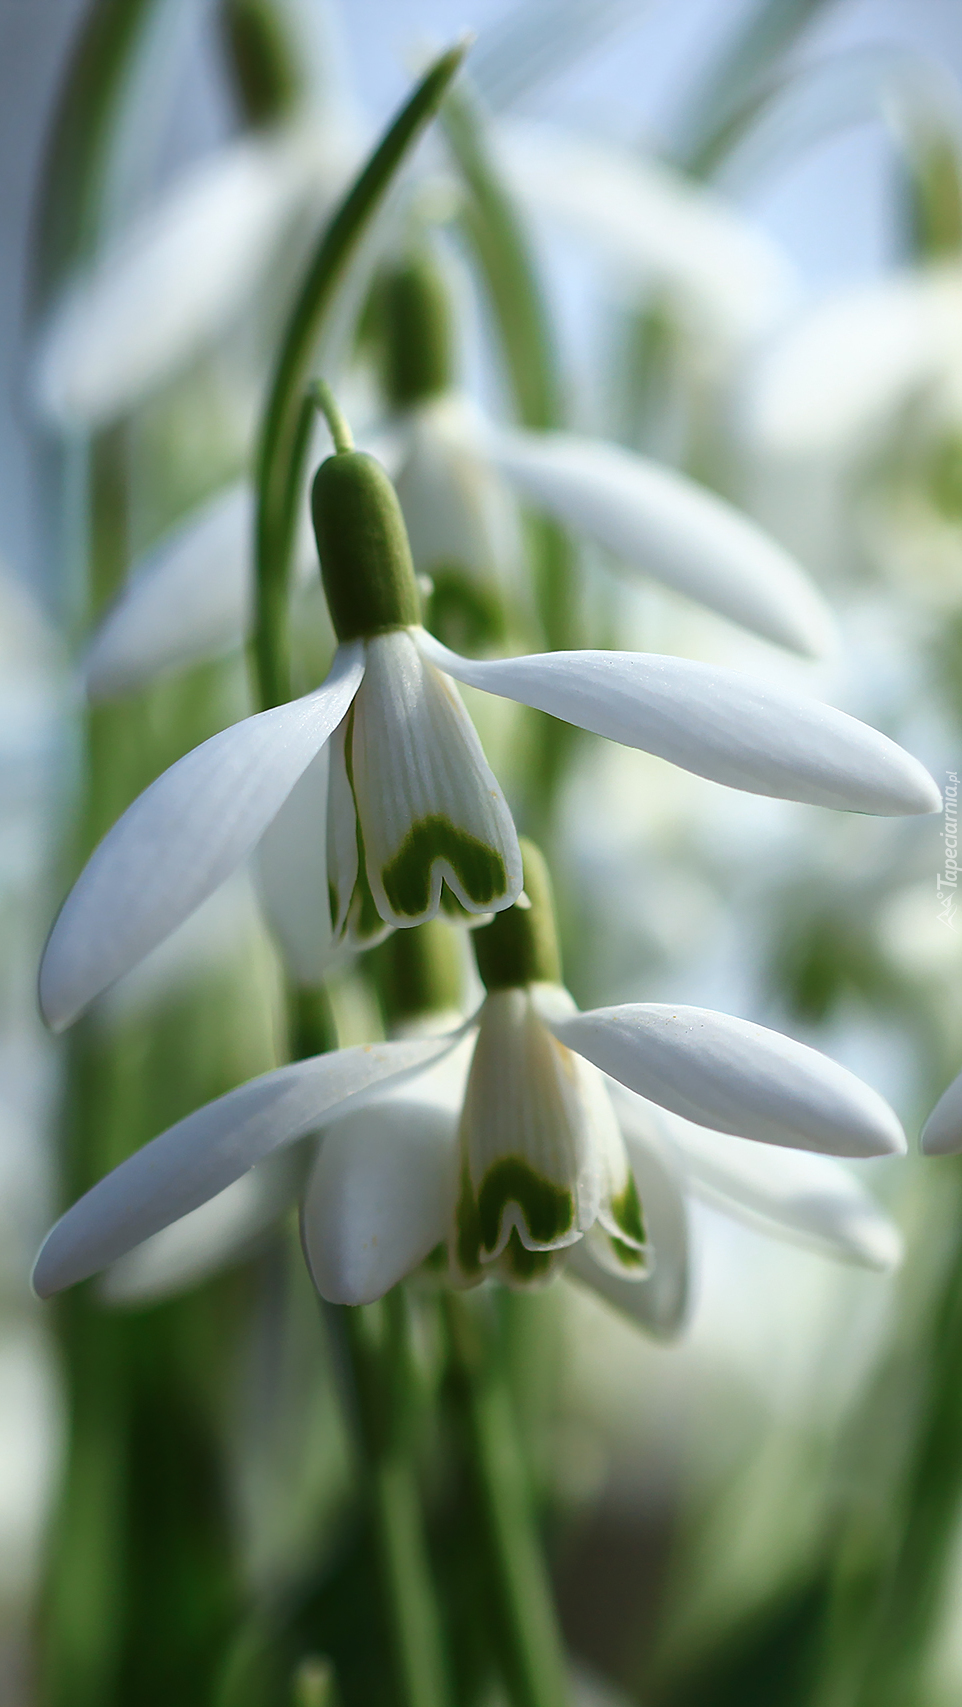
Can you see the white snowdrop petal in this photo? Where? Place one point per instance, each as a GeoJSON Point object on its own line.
{"type": "Point", "coordinates": [291, 864]}
{"type": "Point", "coordinates": [667, 526]}
{"type": "Point", "coordinates": [735, 1077]}
{"type": "Point", "coordinates": [196, 1159]}
{"type": "Point", "coordinates": [173, 280]}
{"type": "Point", "coordinates": [454, 506]}
{"type": "Point", "coordinates": [525, 1134]}
{"type": "Point", "coordinates": [808, 1197]}
{"type": "Point", "coordinates": [210, 1238]}
{"type": "Point", "coordinates": [189, 597]}
{"type": "Point", "coordinates": [428, 802]}
{"type": "Point", "coordinates": [713, 721]}
{"type": "Point", "coordinates": [656, 225]}
{"type": "Point", "coordinates": [843, 368]}
{"type": "Point", "coordinates": [380, 1197]}
{"type": "Point", "coordinates": [181, 838]}
{"type": "Point", "coordinates": [942, 1132]}
{"type": "Point", "coordinates": [660, 1300]}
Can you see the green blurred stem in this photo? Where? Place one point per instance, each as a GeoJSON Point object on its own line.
{"type": "Point", "coordinates": [78, 151]}
{"type": "Point", "coordinates": [312, 1029]}
{"type": "Point", "coordinates": [287, 421]}
{"type": "Point", "coordinates": [532, 1648]}
{"type": "Point", "coordinates": [737, 76]}
{"type": "Point", "coordinates": [497, 235]}
{"type": "Point", "coordinates": [930, 1508]}
{"type": "Point", "coordinates": [373, 1342]}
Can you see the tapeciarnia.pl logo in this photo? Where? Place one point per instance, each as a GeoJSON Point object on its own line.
{"type": "Point", "coordinates": [947, 882]}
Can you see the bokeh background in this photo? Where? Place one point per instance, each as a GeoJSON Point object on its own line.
{"type": "Point", "coordinates": [695, 1490]}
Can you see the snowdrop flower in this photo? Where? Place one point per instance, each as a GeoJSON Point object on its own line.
{"type": "Point", "coordinates": [178, 275]}
{"type": "Point", "coordinates": [861, 403]}
{"type": "Point", "coordinates": [840, 375]}
{"type": "Point", "coordinates": [517, 1160]}
{"type": "Point", "coordinates": [721, 275]}
{"type": "Point", "coordinates": [453, 471]}
{"type": "Point", "coordinates": [412, 803]}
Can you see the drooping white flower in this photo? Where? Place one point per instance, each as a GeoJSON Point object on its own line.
{"type": "Point", "coordinates": [722, 275]}
{"type": "Point", "coordinates": [511, 1154]}
{"type": "Point", "coordinates": [412, 803]}
{"type": "Point", "coordinates": [833, 382]}
{"type": "Point", "coordinates": [181, 273]}
{"type": "Point", "coordinates": [192, 595]}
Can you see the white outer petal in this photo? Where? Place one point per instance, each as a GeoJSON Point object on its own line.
{"type": "Point", "coordinates": [658, 226]}
{"type": "Point", "coordinates": [211, 1237]}
{"type": "Point", "coordinates": [660, 1301]}
{"type": "Point", "coordinates": [380, 1198]}
{"type": "Point", "coordinates": [842, 370]}
{"type": "Point", "coordinates": [670, 528]}
{"type": "Point", "coordinates": [291, 865]}
{"type": "Point", "coordinates": [715, 722]}
{"type": "Point", "coordinates": [736, 1077]}
{"type": "Point", "coordinates": [172, 281]}
{"type": "Point", "coordinates": [194, 1160]}
{"type": "Point", "coordinates": [810, 1198]}
{"type": "Point", "coordinates": [180, 839]}
{"type": "Point", "coordinates": [189, 597]}
{"type": "Point", "coordinates": [942, 1132]}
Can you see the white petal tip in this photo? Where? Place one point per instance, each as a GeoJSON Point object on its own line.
{"type": "Point", "coordinates": [44, 1281]}
{"type": "Point", "coordinates": [56, 1012]}
{"type": "Point", "coordinates": [942, 1132]}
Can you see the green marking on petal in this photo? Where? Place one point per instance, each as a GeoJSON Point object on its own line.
{"type": "Point", "coordinates": [478, 867]}
{"type": "Point", "coordinates": [467, 1229]}
{"type": "Point", "coordinates": [626, 1212]}
{"type": "Point", "coordinates": [548, 1209]}
{"type": "Point", "coordinates": [628, 1255]}
{"type": "Point", "coordinates": [363, 919]}
{"type": "Point", "coordinates": [333, 902]}
{"type": "Point", "coordinates": [518, 1263]}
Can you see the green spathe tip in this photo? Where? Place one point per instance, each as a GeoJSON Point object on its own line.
{"type": "Point", "coordinates": [361, 541]}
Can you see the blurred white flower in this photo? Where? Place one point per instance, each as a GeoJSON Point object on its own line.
{"type": "Point", "coordinates": [180, 275]}
{"type": "Point", "coordinates": [839, 375]}
{"type": "Point", "coordinates": [723, 277]}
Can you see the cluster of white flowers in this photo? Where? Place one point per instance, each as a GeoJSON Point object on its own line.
{"type": "Point", "coordinates": [531, 1134]}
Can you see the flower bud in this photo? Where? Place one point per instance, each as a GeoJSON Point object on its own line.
{"type": "Point", "coordinates": [363, 546]}
{"type": "Point", "coordinates": [418, 333]}
{"type": "Point", "coordinates": [262, 62]}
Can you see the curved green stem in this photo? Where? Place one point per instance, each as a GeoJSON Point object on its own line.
{"type": "Point", "coordinates": [285, 432]}
{"type": "Point", "coordinates": [323, 398]}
